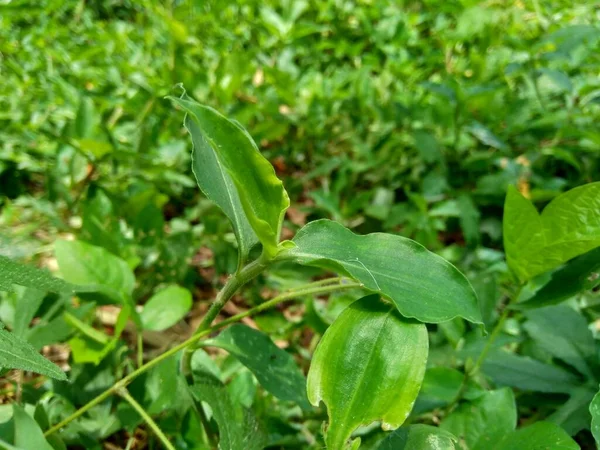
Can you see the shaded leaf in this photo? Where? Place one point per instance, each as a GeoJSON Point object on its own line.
{"type": "Point", "coordinates": [274, 368]}
{"type": "Point", "coordinates": [421, 284]}
{"type": "Point", "coordinates": [539, 436]}
{"type": "Point", "coordinates": [28, 434]}
{"type": "Point", "coordinates": [418, 437]}
{"type": "Point", "coordinates": [368, 366]}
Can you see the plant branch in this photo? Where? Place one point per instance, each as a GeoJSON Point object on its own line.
{"type": "Point", "coordinates": [195, 338]}
{"type": "Point", "coordinates": [123, 392]}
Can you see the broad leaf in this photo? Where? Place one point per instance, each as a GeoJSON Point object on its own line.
{"type": "Point", "coordinates": [418, 437]}
{"type": "Point", "coordinates": [539, 436]}
{"type": "Point", "coordinates": [261, 193]}
{"type": "Point", "coordinates": [580, 274]}
{"type": "Point", "coordinates": [274, 368]}
{"type": "Point", "coordinates": [166, 308]}
{"type": "Point", "coordinates": [572, 341]}
{"type": "Point", "coordinates": [508, 369]}
{"type": "Point", "coordinates": [16, 353]}
{"type": "Point", "coordinates": [28, 434]}
{"type": "Point", "coordinates": [421, 284]}
{"type": "Point", "coordinates": [574, 415]}
{"type": "Point", "coordinates": [368, 367]}
{"type": "Point", "coordinates": [485, 421]}
{"type": "Point", "coordinates": [595, 412]}
{"type": "Point", "coordinates": [569, 226]}
{"type": "Point", "coordinates": [12, 272]}
{"type": "Point", "coordinates": [216, 183]}
{"type": "Point", "coordinates": [238, 428]}
{"type": "Point", "coordinates": [441, 386]}
{"type": "Point", "coordinates": [85, 264]}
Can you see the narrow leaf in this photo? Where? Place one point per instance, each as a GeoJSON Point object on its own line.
{"type": "Point", "coordinates": [274, 368]}
{"type": "Point", "coordinates": [595, 412]}
{"type": "Point", "coordinates": [27, 305]}
{"type": "Point", "coordinates": [166, 308]}
{"type": "Point", "coordinates": [16, 353]}
{"type": "Point", "coordinates": [368, 367]}
{"type": "Point", "coordinates": [261, 193]}
{"type": "Point", "coordinates": [421, 284]}
{"type": "Point", "coordinates": [238, 428]}
{"type": "Point", "coordinates": [12, 272]}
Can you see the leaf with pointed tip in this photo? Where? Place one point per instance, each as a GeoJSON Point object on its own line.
{"type": "Point", "coordinates": [12, 272]}
{"type": "Point", "coordinates": [260, 192]}
{"type": "Point", "coordinates": [421, 284]}
{"type": "Point", "coordinates": [539, 436]}
{"type": "Point", "coordinates": [16, 353]}
{"type": "Point", "coordinates": [368, 366]}
{"type": "Point", "coordinates": [274, 368]}
{"type": "Point", "coordinates": [568, 227]}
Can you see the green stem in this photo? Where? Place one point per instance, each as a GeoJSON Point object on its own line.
{"type": "Point", "coordinates": [196, 337]}
{"type": "Point", "coordinates": [140, 348]}
{"type": "Point", "coordinates": [151, 423]}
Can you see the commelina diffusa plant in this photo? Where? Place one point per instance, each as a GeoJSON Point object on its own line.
{"type": "Point", "coordinates": [370, 364]}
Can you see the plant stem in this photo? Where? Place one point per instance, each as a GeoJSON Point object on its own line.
{"type": "Point", "coordinates": [196, 337]}
{"type": "Point", "coordinates": [140, 348]}
{"type": "Point", "coordinates": [142, 412]}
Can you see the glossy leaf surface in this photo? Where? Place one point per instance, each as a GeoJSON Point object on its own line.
{"type": "Point", "coordinates": [595, 412]}
{"type": "Point", "coordinates": [216, 183]}
{"type": "Point", "coordinates": [368, 366]}
{"type": "Point", "coordinates": [419, 437]}
{"type": "Point", "coordinates": [166, 308]}
{"type": "Point", "coordinates": [274, 368]}
{"type": "Point", "coordinates": [16, 353]}
{"type": "Point", "coordinates": [421, 284]}
{"type": "Point", "coordinates": [238, 428]}
{"type": "Point", "coordinates": [569, 226]}
{"type": "Point", "coordinates": [485, 421]}
{"type": "Point", "coordinates": [260, 192]}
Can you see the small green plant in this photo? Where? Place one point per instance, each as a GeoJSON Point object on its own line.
{"type": "Point", "coordinates": [369, 365]}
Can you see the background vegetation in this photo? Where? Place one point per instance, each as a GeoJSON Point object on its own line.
{"type": "Point", "coordinates": [409, 117]}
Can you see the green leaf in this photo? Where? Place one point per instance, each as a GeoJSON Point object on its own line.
{"type": "Point", "coordinates": [469, 219]}
{"type": "Point", "coordinates": [85, 264]}
{"type": "Point", "coordinates": [568, 227]}
{"type": "Point", "coordinates": [216, 183]}
{"type": "Point", "coordinates": [572, 341]}
{"type": "Point", "coordinates": [574, 415]}
{"type": "Point", "coordinates": [485, 421]}
{"type": "Point", "coordinates": [28, 434]}
{"type": "Point", "coordinates": [274, 368]}
{"type": "Point", "coordinates": [539, 436]}
{"type": "Point", "coordinates": [508, 369]}
{"type": "Point", "coordinates": [27, 305]}
{"type": "Point", "coordinates": [421, 284]}
{"type": "Point", "coordinates": [418, 437]}
{"type": "Point", "coordinates": [577, 275]}
{"type": "Point", "coordinates": [238, 428]}
{"type": "Point", "coordinates": [261, 193]}
{"type": "Point", "coordinates": [368, 366]}
{"type": "Point", "coordinates": [595, 412]}
{"type": "Point", "coordinates": [16, 353]}
{"type": "Point", "coordinates": [166, 308]}
{"type": "Point", "coordinates": [12, 272]}
{"type": "Point", "coordinates": [441, 386]}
